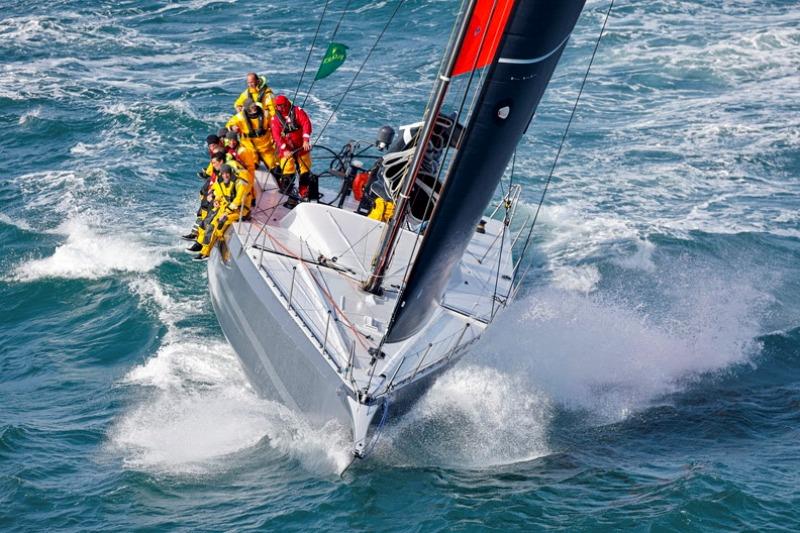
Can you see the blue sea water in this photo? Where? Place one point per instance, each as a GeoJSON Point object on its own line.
{"type": "Point", "coordinates": [648, 378]}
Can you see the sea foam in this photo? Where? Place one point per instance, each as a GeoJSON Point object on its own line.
{"type": "Point", "coordinates": [90, 255]}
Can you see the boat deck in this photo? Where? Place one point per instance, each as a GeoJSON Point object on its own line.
{"type": "Point", "coordinates": [315, 257]}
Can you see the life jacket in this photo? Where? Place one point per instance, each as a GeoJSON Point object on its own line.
{"type": "Point", "coordinates": [289, 123]}
{"type": "Point", "coordinates": [263, 90]}
{"type": "Point", "coordinates": [234, 154]}
{"type": "Point", "coordinates": [249, 131]}
{"type": "Point", "coordinates": [208, 185]}
{"type": "Point", "coordinates": [228, 191]}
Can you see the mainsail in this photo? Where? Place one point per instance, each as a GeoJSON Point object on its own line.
{"type": "Point", "coordinates": [533, 36]}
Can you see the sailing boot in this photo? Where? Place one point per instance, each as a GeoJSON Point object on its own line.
{"type": "Point", "coordinates": [303, 186]}
{"type": "Point", "coordinates": [309, 187]}
{"type": "Point", "coordinates": [285, 183]}
{"type": "Point", "coordinates": [276, 173]}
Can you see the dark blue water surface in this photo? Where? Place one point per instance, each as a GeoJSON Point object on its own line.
{"type": "Point", "coordinates": [648, 377]}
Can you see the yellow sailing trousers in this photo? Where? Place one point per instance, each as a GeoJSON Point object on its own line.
{"type": "Point", "coordinates": [217, 227]}
{"type": "Point", "coordinates": [288, 166]}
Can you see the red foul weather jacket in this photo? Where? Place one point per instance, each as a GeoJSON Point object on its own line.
{"type": "Point", "coordinates": [289, 131]}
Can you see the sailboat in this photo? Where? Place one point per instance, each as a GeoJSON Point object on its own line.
{"type": "Point", "coordinates": [348, 318]}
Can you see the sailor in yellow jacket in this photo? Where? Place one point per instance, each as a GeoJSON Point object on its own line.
{"type": "Point", "coordinates": [242, 155]}
{"type": "Point", "coordinates": [231, 201]}
{"type": "Point", "coordinates": [253, 126]}
{"type": "Point", "coordinates": [258, 91]}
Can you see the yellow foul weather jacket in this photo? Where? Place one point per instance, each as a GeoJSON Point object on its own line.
{"type": "Point", "coordinates": [232, 195]}
{"type": "Point", "coordinates": [262, 95]}
{"type": "Point", "coordinates": [229, 160]}
{"type": "Point", "coordinates": [255, 134]}
{"type": "Point", "coordinates": [247, 158]}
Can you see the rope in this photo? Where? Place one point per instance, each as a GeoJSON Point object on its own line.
{"type": "Point", "coordinates": [371, 446]}
{"type": "Point", "coordinates": [357, 335]}
{"type": "Point", "coordinates": [506, 223]}
{"type": "Point", "coordinates": [311, 49]}
{"type": "Point", "coordinates": [445, 153]}
{"type": "Point", "coordinates": [332, 37]}
{"type": "Point", "coordinates": [560, 146]}
{"type": "Point", "coordinates": [355, 77]}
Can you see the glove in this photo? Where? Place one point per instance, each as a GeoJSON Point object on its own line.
{"type": "Point", "coordinates": [202, 174]}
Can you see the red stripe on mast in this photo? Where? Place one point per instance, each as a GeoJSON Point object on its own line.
{"type": "Point", "coordinates": [483, 36]}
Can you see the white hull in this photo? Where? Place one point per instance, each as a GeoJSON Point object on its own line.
{"type": "Point", "coordinates": [286, 291]}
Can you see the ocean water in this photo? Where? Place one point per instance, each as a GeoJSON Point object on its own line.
{"type": "Point", "coordinates": [647, 378]}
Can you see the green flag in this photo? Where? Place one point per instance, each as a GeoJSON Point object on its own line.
{"type": "Point", "coordinates": [334, 57]}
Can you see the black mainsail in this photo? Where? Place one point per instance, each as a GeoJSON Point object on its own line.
{"type": "Point", "coordinates": [532, 36]}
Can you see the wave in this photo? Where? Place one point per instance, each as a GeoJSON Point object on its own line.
{"type": "Point", "coordinates": [610, 356]}
{"type": "Point", "coordinates": [200, 413]}
{"type": "Point", "coordinates": [88, 254]}
{"type": "Point", "coordinates": [473, 416]}
{"type": "Point", "coordinates": [196, 413]}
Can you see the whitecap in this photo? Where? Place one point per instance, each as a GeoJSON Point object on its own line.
{"type": "Point", "coordinates": [200, 412]}
{"type": "Point", "coordinates": [611, 357]}
{"type": "Point", "coordinates": [474, 416]}
{"type": "Point", "coordinates": [90, 255]}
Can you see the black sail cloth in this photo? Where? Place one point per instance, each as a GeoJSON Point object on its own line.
{"type": "Point", "coordinates": [532, 43]}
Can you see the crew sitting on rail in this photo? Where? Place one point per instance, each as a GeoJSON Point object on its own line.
{"type": "Point", "coordinates": [205, 212]}
{"type": "Point", "coordinates": [259, 92]}
{"type": "Point", "coordinates": [252, 124]}
{"type": "Point", "coordinates": [214, 144]}
{"type": "Point", "coordinates": [231, 202]}
{"type": "Point", "coordinates": [244, 156]}
{"type": "Point", "coordinates": [291, 131]}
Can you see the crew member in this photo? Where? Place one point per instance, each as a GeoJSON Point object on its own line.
{"type": "Point", "coordinates": [259, 92]}
{"type": "Point", "coordinates": [244, 157]}
{"type": "Point", "coordinates": [291, 131]}
{"type": "Point", "coordinates": [214, 144]}
{"type": "Point", "coordinates": [231, 201]}
{"type": "Point", "coordinates": [205, 212]}
{"type": "Point", "coordinates": [252, 124]}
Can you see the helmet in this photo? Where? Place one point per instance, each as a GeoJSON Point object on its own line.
{"type": "Point", "coordinates": [248, 103]}
{"type": "Point", "coordinates": [226, 168]}
{"type": "Point", "coordinates": [232, 136]}
{"type": "Point", "coordinates": [281, 100]}
{"type": "Point", "coordinates": [222, 132]}
{"type": "Point", "coordinates": [212, 139]}
{"type": "Point", "coordinates": [219, 156]}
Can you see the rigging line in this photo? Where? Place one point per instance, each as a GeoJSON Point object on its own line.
{"type": "Point", "coordinates": [484, 73]}
{"type": "Point", "coordinates": [311, 49]}
{"type": "Point", "coordinates": [506, 223]}
{"type": "Point", "coordinates": [355, 77]}
{"type": "Point", "coordinates": [415, 68]}
{"type": "Point", "coordinates": [332, 37]}
{"type": "Point", "coordinates": [558, 153]}
{"type": "Point", "coordinates": [446, 152]}
{"type": "Point", "coordinates": [451, 133]}
{"type": "Point", "coordinates": [513, 166]}
{"type": "Point", "coordinates": [379, 429]}
{"type": "Point", "coordinates": [343, 318]}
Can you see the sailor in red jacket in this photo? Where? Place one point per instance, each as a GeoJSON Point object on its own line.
{"type": "Point", "coordinates": [291, 130]}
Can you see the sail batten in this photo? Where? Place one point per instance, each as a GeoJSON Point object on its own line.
{"type": "Point", "coordinates": [534, 36]}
